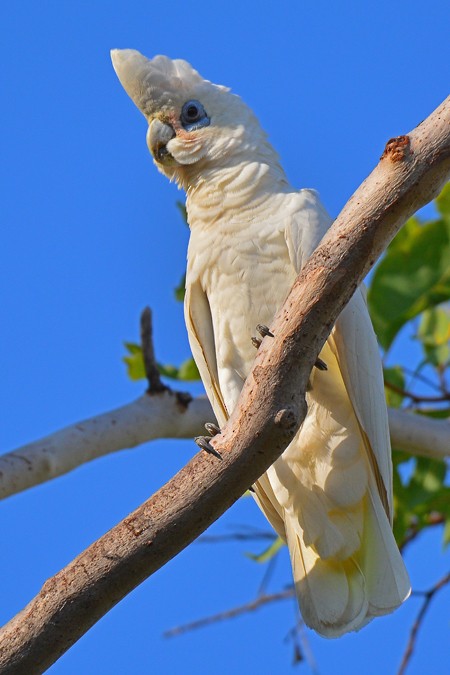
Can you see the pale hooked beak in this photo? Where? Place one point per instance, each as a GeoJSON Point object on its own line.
{"type": "Point", "coordinates": [158, 135]}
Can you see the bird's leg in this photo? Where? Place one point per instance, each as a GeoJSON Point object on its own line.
{"type": "Point", "coordinates": [264, 330]}
{"type": "Point", "coordinates": [204, 444]}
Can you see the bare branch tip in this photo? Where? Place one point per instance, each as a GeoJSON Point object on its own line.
{"type": "Point", "coordinates": [155, 386]}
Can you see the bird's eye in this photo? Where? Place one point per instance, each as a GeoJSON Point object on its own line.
{"type": "Point", "coordinates": [193, 116]}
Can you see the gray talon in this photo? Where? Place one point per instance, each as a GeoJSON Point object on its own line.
{"type": "Point", "coordinates": [250, 489]}
{"type": "Point", "coordinates": [320, 365]}
{"type": "Point", "coordinates": [256, 343]}
{"type": "Point", "coordinates": [212, 429]}
{"type": "Point", "coordinates": [263, 330]}
{"type": "Point", "coordinates": [204, 444]}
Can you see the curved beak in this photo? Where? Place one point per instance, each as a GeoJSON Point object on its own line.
{"type": "Point", "coordinates": [158, 135]}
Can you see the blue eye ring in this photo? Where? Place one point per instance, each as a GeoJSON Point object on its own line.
{"type": "Point", "coordinates": [193, 116]}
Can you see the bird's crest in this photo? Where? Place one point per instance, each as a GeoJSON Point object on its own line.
{"type": "Point", "coordinates": [158, 83]}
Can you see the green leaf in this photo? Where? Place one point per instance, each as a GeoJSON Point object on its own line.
{"type": "Point", "coordinates": [268, 553]}
{"type": "Point", "coordinates": [167, 370]}
{"type": "Point", "coordinates": [395, 377]}
{"type": "Point", "coordinates": [434, 334]}
{"type": "Point", "coordinates": [446, 535]}
{"type": "Point", "coordinates": [443, 203]}
{"type": "Point", "coordinates": [182, 209]}
{"type": "Point", "coordinates": [180, 290]}
{"type": "Point", "coordinates": [136, 369]}
{"type": "Point", "coordinates": [435, 413]}
{"type": "Point", "coordinates": [135, 361]}
{"type": "Point", "coordinates": [421, 496]}
{"type": "Point", "coordinates": [427, 480]}
{"type": "Point", "coordinates": [188, 371]}
{"type": "Point", "coordinates": [413, 276]}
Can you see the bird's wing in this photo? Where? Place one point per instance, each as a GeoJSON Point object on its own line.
{"type": "Point", "coordinates": [201, 339]}
{"type": "Point", "coordinates": [354, 345]}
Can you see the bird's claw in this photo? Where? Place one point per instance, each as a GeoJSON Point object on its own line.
{"type": "Point", "coordinates": [212, 429]}
{"type": "Point", "coordinates": [320, 365]}
{"type": "Point", "coordinates": [256, 343]}
{"type": "Point", "coordinates": [204, 444]}
{"type": "Point", "coordinates": [264, 330]}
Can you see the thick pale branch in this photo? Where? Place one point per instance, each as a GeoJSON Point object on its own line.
{"type": "Point", "coordinates": [167, 415]}
{"type": "Point", "coordinates": [270, 409]}
{"type": "Point", "coordinates": [419, 435]}
{"type": "Point", "coordinates": [164, 415]}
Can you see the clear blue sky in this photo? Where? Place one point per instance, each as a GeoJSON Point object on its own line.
{"type": "Point", "coordinates": [90, 235]}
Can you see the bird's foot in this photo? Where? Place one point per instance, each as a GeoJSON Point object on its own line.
{"type": "Point", "coordinates": [320, 365]}
{"type": "Point", "coordinates": [256, 342]}
{"type": "Point", "coordinates": [264, 330]}
{"type": "Point", "coordinates": [212, 429]}
{"type": "Point", "coordinates": [204, 444]}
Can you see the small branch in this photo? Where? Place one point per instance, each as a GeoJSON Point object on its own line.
{"type": "Point", "coordinates": [413, 531]}
{"type": "Point", "coordinates": [417, 398]}
{"type": "Point", "coordinates": [236, 536]}
{"type": "Point", "coordinates": [428, 596]}
{"type": "Point", "coordinates": [418, 434]}
{"type": "Point", "coordinates": [155, 386]}
{"type": "Point", "coordinates": [259, 602]}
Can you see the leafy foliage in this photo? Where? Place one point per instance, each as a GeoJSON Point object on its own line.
{"type": "Point", "coordinates": [187, 371]}
{"type": "Point", "coordinates": [412, 285]}
{"type": "Point", "coordinates": [414, 274]}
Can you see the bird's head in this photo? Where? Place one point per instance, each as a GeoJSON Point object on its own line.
{"type": "Point", "coordinates": [193, 124]}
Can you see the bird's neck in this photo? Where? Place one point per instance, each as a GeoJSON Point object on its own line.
{"type": "Point", "coordinates": [237, 191]}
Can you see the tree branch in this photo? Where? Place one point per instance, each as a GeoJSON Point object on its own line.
{"type": "Point", "coordinates": [270, 409]}
{"type": "Point", "coordinates": [428, 596]}
{"type": "Point", "coordinates": [165, 415]}
{"type": "Point", "coordinates": [168, 415]}
{"type": "Point", "coordinates": [250, 606]}
{"type": "Point", "coordinates": [155, 386]}
{"type": "Point", "coordinates": [419, 435]}
{"type": "Point", "coordinates": [418, 398]}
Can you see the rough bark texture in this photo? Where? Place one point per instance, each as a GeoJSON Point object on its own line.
{"type": "Point", "coordinates": [270, 409]}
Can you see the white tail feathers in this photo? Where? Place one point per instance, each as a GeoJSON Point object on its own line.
{"type": "Point", "coordinates": [337, 596]}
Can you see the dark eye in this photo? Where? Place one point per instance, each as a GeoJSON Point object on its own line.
{"type": "Point", "coordinates": [193, 116]}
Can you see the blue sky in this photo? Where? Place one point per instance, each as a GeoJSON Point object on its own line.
{"type": "Point", "coordinates": [90, 235]}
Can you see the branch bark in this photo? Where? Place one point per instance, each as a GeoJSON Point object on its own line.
{"type": "Point", "coordinates": [271, 408]}
{"type": "Point", "coordinates": [151, 416]}
{"type": "Point", "coordinates": [168, 415]}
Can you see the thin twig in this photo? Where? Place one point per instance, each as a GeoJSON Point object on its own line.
{"type": "Point", "coordinates": [417, 398]}
{"type": "Point", "coordinates": [428, 596]}
{"type": "Point", "coordinates": [260, 601]}
{"type": "Point", "coordinates": [416, 375]}
{"type": "Point", "coordinates": [302, 647]}
{"type": "Point", "coordinates": [412, 532]}
{"type": "Point", "coordinates": [236, 536]}
{"type": "Point", "coordinates": [155, 386]}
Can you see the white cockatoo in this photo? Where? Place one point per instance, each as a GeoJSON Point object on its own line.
{"type": "Point", "coordinates": [329, 495]}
